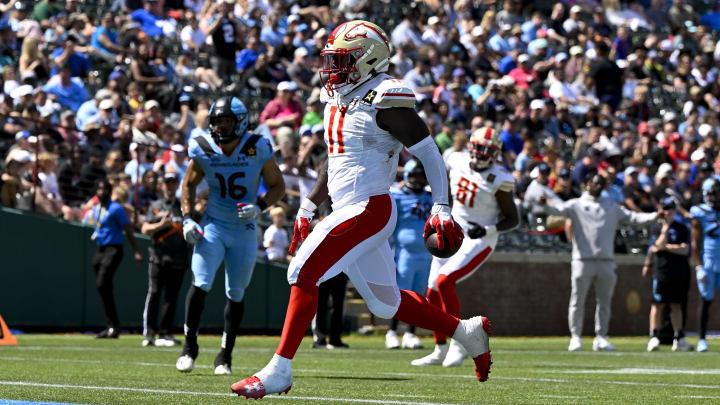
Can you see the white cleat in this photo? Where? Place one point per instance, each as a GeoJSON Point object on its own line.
{"type": "Point", "coordinates": [601, 343]}
{"type": "Point", "coordinates": [433, 359]}
{"type": "Point", "coordinates": [185, 364]}
{"type": "Point", "coordinates": [275, 378]}
{"type": "Point", "coordinates": [653, 344]}
{"type": "Point", "coordinates": [681, 345]}
{"type": "Point", "coordinates": [148, 341]}
{"type": "Point", "coordinates": [410, 341]}
{"type": "Point", "coordinates": [702, 346]}
{"type": "Point", "coordinates": [575, 344]}
{"type": "Point", "coordinates": [473, 335]}
{"type": "Point", "coordinates": [223, 369]}
{"type": "Point", "coordinates": [455, 355]}
{"type": "Point", "coordinates": [391, 340]}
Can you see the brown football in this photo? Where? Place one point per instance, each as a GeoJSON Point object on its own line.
{"type": "Point", "coordinates": [431, 244]}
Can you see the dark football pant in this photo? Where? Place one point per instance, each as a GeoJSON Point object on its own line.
{"type": "Point", "coordinates": [105, 262]}
{"type": "Point", "coordinates": [165, 279]}
{"type": "Point", "coordinates": [335, 288]}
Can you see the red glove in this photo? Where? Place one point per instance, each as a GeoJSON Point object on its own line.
{"type": "Point", "coordinates": [302, 224]}
{"type": "Point", "coordinates": [445, 226]}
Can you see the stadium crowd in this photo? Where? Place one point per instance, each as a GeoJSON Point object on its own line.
{"type": "Point", "coordinates": [114, 89]}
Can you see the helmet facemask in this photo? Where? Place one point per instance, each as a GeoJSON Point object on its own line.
{"type": "Point", "coordinates": [339, 69]}
{"type": "Point", "coordinates": [222, 132]}
{"type": "Point", "coordinates": [482, 156]}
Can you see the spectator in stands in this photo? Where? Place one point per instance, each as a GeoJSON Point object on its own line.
{"type": "Point", "coordinates": [109, 220]}
{"type": "Point", "coordinates": [68, 56]}
{"type": "Point", "coordinates": [67, 91]}
{"type": "Point", "coordinates": [275, 239]}
{"type": "Point", "coordinates": [225, 32]}
{"type": "Point", "coordinates": [284, 109]}
{"type": "Point", "coordinates": [169, 258]}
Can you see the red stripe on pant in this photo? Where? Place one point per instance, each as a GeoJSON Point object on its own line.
{"type": "Point", "coordinates": [446, 286]}
{"type": "Point", "coordinates": [339, 241]}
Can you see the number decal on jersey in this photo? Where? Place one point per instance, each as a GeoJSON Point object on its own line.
{"type": "Point", "coordinates": [236, 191]}
{"type": "Point", "coordinates": [336, 129]}
{"type": "Point", "coordinates": [466, 187]}
{"type": "Point", "coordinates": [713, 232]}
{"type": "Point", "coordinates": [228, 33]}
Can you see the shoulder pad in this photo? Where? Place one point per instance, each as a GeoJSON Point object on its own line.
{"type": "Point", "coordinates": [503, 179]}
{"type": "Point", "coordinates": [198, 146]}
{"type": "Point", "coordinates": [390, 93]}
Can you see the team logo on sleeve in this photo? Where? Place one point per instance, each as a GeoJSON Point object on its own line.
{"type": "Point", "coordinates": [251, 152]}
{"type": "Point", "coordinates": [491, 178]}
{"type": "Point", "coordinates": [369, 97]}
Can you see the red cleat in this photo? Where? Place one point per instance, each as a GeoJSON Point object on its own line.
{"type": "Point", "coordinates": [483, 361]}
{"type": "Point", "coordinates": [252, 387]}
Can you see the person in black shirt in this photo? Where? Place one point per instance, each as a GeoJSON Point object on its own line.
{"type": "Point", "coordinates": [607, 77]}
{"type": "Point", "coordinates": [169, 259]}
{"type": "Point", "coordinates": [224, 30]}
{"type": "Point", "coordinates": [668, 257]}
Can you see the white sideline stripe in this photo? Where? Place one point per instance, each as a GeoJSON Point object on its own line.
{"type": "Point", "coordinates": [560, 396]}
{"type": "Point", "coordinates": [639, 370]}
{"type": "Point", "coordinates": [216, 394]}
{"type": "Point", "coordinates": [396, 374]}
{"type": "Point", "coordinates": [696, 397]}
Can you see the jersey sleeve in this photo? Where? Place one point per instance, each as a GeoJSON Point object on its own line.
{"type": "Point", "coordinates": [505, 181]}
{"type": "Point", "coordinates": [194, 148]}
{"type": "Point", "coordinates": [264, 150]}
{"type": "Point", "coordinates": [393, 93]}
{"type": "Point", "coordinates": [696, 213]}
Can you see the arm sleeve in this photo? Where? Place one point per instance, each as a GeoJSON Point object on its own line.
{"type": "Point", "coordinates": [432, 161]}
{"type": "Point", "coordinates": [635, 218]}
{"type": "Point", "coordinates": [562, 210]}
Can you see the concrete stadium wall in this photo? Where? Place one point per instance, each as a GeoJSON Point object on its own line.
{"type": "Point", "coordinates": [46, 281]}
{"type": "Point", "coordinates": [528, 294]}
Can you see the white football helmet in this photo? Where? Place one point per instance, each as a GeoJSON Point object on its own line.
{"type": "Point", "coordinates": [355, 50]}
{"type": "Point", "coordinates": [484, 147]}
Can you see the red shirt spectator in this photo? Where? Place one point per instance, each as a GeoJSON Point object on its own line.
{"type": "Point", "coordinates": [523, 74]}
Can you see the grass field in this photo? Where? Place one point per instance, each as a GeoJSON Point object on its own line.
{"type": "Point", "coordinates": [79, 369]}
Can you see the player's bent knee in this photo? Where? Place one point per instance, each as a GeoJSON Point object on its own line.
{"type": "Point", "coordinates": [235, 294]}
{"type": "Point", "coordinates": [381, 310]}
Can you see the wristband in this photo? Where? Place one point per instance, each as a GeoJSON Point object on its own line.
{"type": "Point", "coordinates": [308, 205]}
{"type": "Point", "coordinates": [187, 216]}
{"type": "Point", "coordinates": [261, 204]}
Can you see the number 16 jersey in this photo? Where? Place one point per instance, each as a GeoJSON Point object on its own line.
{"type": "Point", "coordinates": [473, 193]}
{"type": "Point", "coordinates": [231, 178]}
{"type": "Point", "coordinates": [710, 222]}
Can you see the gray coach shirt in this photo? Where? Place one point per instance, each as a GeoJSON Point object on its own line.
{"type": "Point", "coordinates": [594, 222]}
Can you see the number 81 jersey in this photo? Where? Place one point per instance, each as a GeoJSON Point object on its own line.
{"type": "Point", "coordinates": [231, 178]}
{"type": "Point", "coordinates": [473, 192]}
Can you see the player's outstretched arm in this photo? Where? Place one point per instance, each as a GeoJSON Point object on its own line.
{"type": "Point", "coordinates": [193, 176]}
{"type": "Point", "coordinates": [274, 181]}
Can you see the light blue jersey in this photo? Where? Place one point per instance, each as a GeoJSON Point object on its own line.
{"type": "Point", "coordinates": [710, 223]}
{"type": "Point", "coordinates": [231, 179]}
{"type": "Point", "coordinates": [412, 258]}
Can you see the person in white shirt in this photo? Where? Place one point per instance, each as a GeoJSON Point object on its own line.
{"type": "Point", "coordinates": [192, 36]}
{"type": "Point", "coordinates": [275, 239]}
{"type": "Point", "coordinates": [432, 34]}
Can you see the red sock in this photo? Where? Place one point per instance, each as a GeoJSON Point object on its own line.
{"type": "Point", "coordinates": [301, 310]}
{"type": "Point", "coordinates": [415, 310]}
{"type": "Point", "coordinates": [435, 299]}
{"type": "Point", "coordinates": [451, 303]}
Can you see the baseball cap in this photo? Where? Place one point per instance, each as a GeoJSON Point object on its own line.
{"type": "Point", "coordinates": [184, 98]}
{"type": "Point", "coordinates": [666, 45]}
{"type": "Point", "coordinates": [697, 155]}
{"type": "Point", "coordinates": [575, 9]}
{"type": "Point", "coordinates": [537, 104]}
{"type": "Point", "coordinates": [544, 168]}
{"type": "Point", "coordinates": [103, 94]}
{"type": "Point", "coordinates": [668, 204]}
{"type": "Point", "coordinates": [21, 91]}
{"type": "Point", "coordinates": [22, 135]}
{"type": "Point", "coordinates": [523, 58]}
{"type": "Point", "coordinates": [301, 51]}
{"type": "Point", "coordinates": [630, 170]}
{"type": "Point", "coordinates": [458, 72]}
{"type": "Point", "coordinates": [505, 27]}
{"type": "Point", "coordinates": [669, 116]}
{"type": "Point", "coordinates": [177, 148]}
{"type": "Point", "coordinates": [433, 20]}
{"type": "Point", "coordinates": [106, 104]}
{"type": "Point", "coordinates": [91, 126]}
{"type": "Point", "coordinates": [151, 104]}
{"type": "Point", "coordinates": [318, 128]}
{"type": "Point", "coordinates": [576, 50]}
{"type": "Point", "coordinates": [705, 129]}
{"type": "Point", "coordinates": [560, 57]}
{"type": "Point", "coordinates": [171, 177]}
{"type": "Point", "coordinates": [287, 86]}
{"type": "Point", "coordinates": [305, 130]}
{"type": "Point", "coordinates": [115, 75]}
{"type": "Point", "coordinates": [664, 170]}
{"type": "Point", "coordinates": [564, 173]}
{"type": "Point", "coordinates": [477, 31]}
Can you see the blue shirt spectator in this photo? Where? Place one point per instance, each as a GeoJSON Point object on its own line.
{"type": "Point", "coordinates": [70, 92]}
{"type": "Point", "coordinates": [95, 40]}
{"type": "Point", "coordinates": [245, 59]}
{"type": "Point", "coordinates": [513, 142]}
{"type": "Point", "coordinates": [148, 22]}
{"type": "Point", "coordinates": [79, 64]}
{"type": "Point", "coordinates": [499, 44]}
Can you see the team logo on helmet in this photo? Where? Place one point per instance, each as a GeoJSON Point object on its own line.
{"type": "Point", "coordinates": [354, 51]}
{"type": "Point", "coordinates": [484, 147]}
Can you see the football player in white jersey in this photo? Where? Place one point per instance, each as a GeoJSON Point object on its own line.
{"type": "Point", "coordinates": [369, 116]}
{"type": "Point", "coordinates": [483, 205]}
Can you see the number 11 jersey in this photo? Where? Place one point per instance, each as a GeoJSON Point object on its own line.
{"type": "Point", "coordinates": [231, 178]}
{"type": "Point", "coordinates": [473, 193]}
